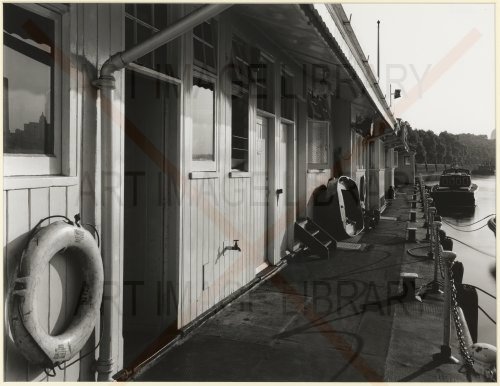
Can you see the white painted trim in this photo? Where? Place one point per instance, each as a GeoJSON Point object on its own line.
{"type": "Point", "coordinates": [239, 174]}
{"type": "Point", "coordinates": [32, 182]}
{"type": "Point", "coordinates": [317, 171]}
{"type": "Point", "coordinates": [287, 121]}
{"type": "Point", "coordinates": [152, 74]}
{"type": "Point", "coordinates": [265, 114]}
{"type": "Point", "coordinates": [203, 175]}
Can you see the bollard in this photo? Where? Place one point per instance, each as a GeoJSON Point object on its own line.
{"type": "Point", "coordinates": [412, 235]}
{"type": "Point", "coordinates": [409, 286]}
{"type": "Point", "coordinates": [445, 355]}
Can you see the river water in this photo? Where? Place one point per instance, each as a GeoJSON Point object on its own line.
{"type": "Point", "coordinates": [478, 263]}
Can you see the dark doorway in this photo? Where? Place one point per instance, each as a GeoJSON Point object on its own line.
{"type": "Point", "coordinates": [150, 287]}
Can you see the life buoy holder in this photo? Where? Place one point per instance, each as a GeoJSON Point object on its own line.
{"type": "Point", "coordinates": [32, 339]}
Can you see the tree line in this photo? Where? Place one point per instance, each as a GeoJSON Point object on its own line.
{"type": "Point", "coordinates": [450, 149]}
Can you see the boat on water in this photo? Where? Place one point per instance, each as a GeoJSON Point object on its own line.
{"type": "Point", "coordinates": [337, 208]}
{"type": "Point", "coordinates": [455, 190]}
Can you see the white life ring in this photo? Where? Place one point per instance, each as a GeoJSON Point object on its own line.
{"type": "Point", "coordinates": [36, 344]}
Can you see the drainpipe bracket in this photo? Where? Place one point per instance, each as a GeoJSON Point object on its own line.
{"type": "Point", "coordinates": [105, 81]}
{"type": "Point", "coordinates": [104, 368]}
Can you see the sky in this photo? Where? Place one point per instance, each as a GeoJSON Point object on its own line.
{"type": "Point", "coordinates": [441, 56]}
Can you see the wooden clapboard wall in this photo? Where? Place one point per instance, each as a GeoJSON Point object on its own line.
{"type": "Point", "coordinates": [93, 32]}
{"type": "Point", "coordinates": [218, 207]}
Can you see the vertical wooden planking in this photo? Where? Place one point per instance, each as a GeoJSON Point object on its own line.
{"type": "Point", "coordinates": [17, 213]}
{"type": "Point", "coordinates": [192, 228]}
{"type": "Point", "coordinates": [90, 138]}
{"type": "Point", "coordinates": [73, 279]}
{"type": "Point", "coordinates": [204, 253]}
{"type": "Point", "coordinates": [39, 209]}
{"type": "Point", "coordinates": [57, 274]}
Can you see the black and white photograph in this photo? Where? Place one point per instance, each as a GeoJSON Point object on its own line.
{"type": "Point", "coordinates": [249, 192]}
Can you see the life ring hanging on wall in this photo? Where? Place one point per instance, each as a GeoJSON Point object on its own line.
{"type": "Point", "coordinates": [35, 343]}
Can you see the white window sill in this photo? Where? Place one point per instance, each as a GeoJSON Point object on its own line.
{"type": "Point", "coordinates": [203, 175]}
{"type": "Point", "coordinates": [239, 174]}
{"type": "Point", "coordinates": [317, 171]}
{"type": "Point", "coordinates": [33, 182]}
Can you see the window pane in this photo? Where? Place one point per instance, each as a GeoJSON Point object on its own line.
{"type": "Point", "coordinates": [265, 86]}
{"type": "Point", "coordinates": [144, 13]}
{"type": "Point", "coordinates": [28, 82]}
{"type": "Point", "coordinates": [287, 97]}
{"type": "Point", "coordinates": [239, 126]}
{"type": "Point", "coordinates": [129, 33]}
{"type": "Point", "coordinates": [203, 120]}
{"type": "Point", "coordinates": [204, 46]}
{"type": "Point", "coordinates": [130, 9]}
{"type": "Point", "coordinates": [317, 142]}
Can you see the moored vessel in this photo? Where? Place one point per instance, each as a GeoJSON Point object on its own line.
{"type": "Point", "coordinates": [455, 190]}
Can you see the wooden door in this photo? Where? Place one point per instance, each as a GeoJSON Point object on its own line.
{"type": "Point", "coordinates": [281, 190]}
{"type": "Point", "coordinates": [261, 192]}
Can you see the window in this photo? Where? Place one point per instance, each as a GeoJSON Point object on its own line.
{"type": "Point", "coordinates": [240, 63]}
{"type": "Point", "coordinates": [371, 155]}
{"type": "Point", "coordinates": [203, 113]}
{"type": "Point", "coordinates": [239, 137]}
{"type": "Point", "coordinates": [239, 105]}
{"type": "Point", "coordinates": [407, 161]}
{"type": "Point", "coordinates": [317, 107]}
{"type": "Point", "coordinates": [265, 84]}
{"type": "Point", "coordinates": [144, 20]}
{"type": "Point", "coordinates": [359, 151]}
{"type": "Point", "coordinates": [32, 87]}
{"type": "Point", "coordinates": [317, 144]}
{"type": "Point", "coordinates": [382, 155]}
{"type": "Point", "coordinates": [287, 97]}
{"type": "Point", "coordinates": [395, 158]}
{"type": "Point", "coordinates": [203, 96]}
{"type": "Point", "coordinates": [205, 46]}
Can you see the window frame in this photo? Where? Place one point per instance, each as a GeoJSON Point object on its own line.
{"type": "Point", "coordinates": [318, 165]}
{"type": "Point", "coordinates": [239, 91]}
{"type": "Point", "coordinates": [284, 96]}
{"type": "Point", "coordinates": [201, 164]}
{"type": "Point", "coordinates": [202, 168]}
{"type": "Point", "coordinates": [43, 164]}
{"type": "Point", "coordinates": [267, 62]}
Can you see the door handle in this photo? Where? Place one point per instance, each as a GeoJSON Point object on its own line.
{"type": "Point", "coordinates": [279, 191]}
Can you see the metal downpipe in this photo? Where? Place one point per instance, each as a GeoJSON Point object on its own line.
{"type": "Point", "coordinates": [112, 180]}
{"type": "Point", "coordinates": [121, 59]}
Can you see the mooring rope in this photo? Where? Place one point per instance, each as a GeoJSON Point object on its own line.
{"type": "Point", "coordinates": [468, 225]}
{"type": "Point", "coordinates": [474, 248]}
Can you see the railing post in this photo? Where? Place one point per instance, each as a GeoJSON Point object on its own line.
{"type": "Point", "coordinates": [437, 257]}
{"type": "Point", "coordinates": [430, 218]}
{"type": "Point", "coordinates": [445, 355]}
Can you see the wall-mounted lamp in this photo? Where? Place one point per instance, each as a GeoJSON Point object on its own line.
{"type": "Point", "coordinates": [396, 94]}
